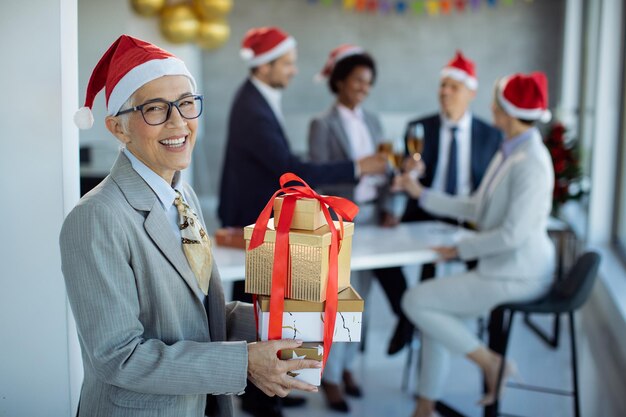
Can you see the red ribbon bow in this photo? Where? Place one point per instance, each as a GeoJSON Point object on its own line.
{"type": "Point", "coordinates": [281, 269]}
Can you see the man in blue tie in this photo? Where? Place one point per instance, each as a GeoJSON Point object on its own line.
{"type": "Point", "coordinates": [457, 148]}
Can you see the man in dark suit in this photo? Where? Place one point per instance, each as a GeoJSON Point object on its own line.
{"type": "Point", "coordinates": [258, 153]}
{"type": "Point", "coordinates": [457, 148]}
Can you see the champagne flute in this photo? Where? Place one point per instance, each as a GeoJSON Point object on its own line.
{"type": "Point", "coordinates": [415, 147]}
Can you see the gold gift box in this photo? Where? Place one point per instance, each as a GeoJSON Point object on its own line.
{"type": "Point", "coordinates": [304, 320]}
{"type": "Point", "coordinates": [307, 214]}
{"type": "Point", "coordinates": [309, 250]}
{"type": "Point", "coordinates": [313, 351]}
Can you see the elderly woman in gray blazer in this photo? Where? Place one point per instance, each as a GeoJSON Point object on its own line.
{"type": "Point", "coordinates": [348, 132]}
{"type": "Point", "coordinates": [156, 336]}
{"type": "Point", "coordinates": [515, 255]}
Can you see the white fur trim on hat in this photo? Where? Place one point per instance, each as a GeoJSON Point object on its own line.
{"type": "Point", "coordinates": [460, 75]}
{"type": "Point", "coordinates": [280, 49]}
{"type": "Point", "coordinates": [246, 54]}
{"type": "Point", "coordinates": [143, 74]}
{"type": "Point", "coordinates": [83, 118]}
{"type": "Point", "coordinates": [543, 115]}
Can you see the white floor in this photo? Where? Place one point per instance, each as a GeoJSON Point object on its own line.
{"type": "Point", "coordinates": [381, 375]}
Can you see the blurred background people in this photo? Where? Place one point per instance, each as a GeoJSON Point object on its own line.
{"type": "Point", "coordinates": [456, 148]}
{"type": "Point", "coordinates": [515, 255]}
{"type": "Point", "coordinates": [344, 133]}
{"type": "Point", "coordinates": [258, 153]}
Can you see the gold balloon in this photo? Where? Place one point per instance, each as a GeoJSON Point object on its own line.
{"type": "Point", "coordinates": [179, 23]}
{"type": "Point", "coordinates": [213, 33]}
{"type": "Point", "coordinates": [147, 7]}
{"type": "Point", "coordinates": [212, 9]}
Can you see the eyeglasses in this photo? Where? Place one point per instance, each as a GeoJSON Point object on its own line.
{"type": "Point", "coordinates": [156, 112]}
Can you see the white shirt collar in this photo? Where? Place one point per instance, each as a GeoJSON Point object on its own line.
{"type": "Point", "coordinates": [463, 123]}
{"type": "Point", "coordinates": [272, 95]}
{"type": "Point", "coordinates": [165, 192]}
{"type": "Point", "coordinates": [347, 112]}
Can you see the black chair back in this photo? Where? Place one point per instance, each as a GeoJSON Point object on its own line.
{"type": "Point", "coordinates": [576, 286]}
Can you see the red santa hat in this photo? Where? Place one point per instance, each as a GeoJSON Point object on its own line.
{"type": "Point", "coordinates": [525, 96]}
{"type": "Point", "coordinates": [262, 45]}
{"type": "Point", "coordinates": [461, 69]}
{"type": "Point", "coordinates": [341, 52]}
{"type": "Point", "coordinates": [128, 64]}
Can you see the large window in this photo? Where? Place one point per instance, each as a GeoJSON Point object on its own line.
{"type": "Point", "coordinates": [620, 207]}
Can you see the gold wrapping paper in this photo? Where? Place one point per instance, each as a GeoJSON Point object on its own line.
{"type": "Point", "coordinates": [307, 214]}
{"type": "Point", "coordinates": [309, 262]}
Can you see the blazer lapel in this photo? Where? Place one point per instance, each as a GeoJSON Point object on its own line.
{"type": "Point", "coordinates": [141, 197]}
{"type": "Point", "coordinates": [334, 121]}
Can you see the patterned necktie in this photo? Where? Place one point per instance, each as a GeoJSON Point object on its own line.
{"type": "Point", "coordinates": [451, 175]}
{"type": "Point", "coordinates": [196, 244]}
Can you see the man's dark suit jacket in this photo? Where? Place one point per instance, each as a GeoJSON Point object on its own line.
{"type": "Point", "coordinates": [257, 154]}
{"type": "Point", "coordinates": [486, 141]}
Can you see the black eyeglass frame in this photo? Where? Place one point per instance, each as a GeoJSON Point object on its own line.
{"type": "Point", "coordinates": [169, 108]}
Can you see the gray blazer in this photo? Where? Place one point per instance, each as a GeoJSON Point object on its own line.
{"type": "Point", "coordinates": [149, 345]}
{"type": "Point", "coordinates": [329, 142]}
{"type": "Point", "coordinates": [510, 209]}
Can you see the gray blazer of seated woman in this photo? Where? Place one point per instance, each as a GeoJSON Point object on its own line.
{"type": "Point", "coordinates": [516, 256]}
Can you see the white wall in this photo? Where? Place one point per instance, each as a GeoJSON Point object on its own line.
{"type": "Point", "coordinates": [38, 183]}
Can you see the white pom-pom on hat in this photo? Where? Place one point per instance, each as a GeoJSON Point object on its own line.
{"type": "Point", "coordinates": [83, 118]}
{"type": "Point", "coordinates": [246, 53]}
{"type": "Point", "coordinates": [546, 116]}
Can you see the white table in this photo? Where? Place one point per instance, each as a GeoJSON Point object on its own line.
{"type": "Point", "coordinates": [372, 247]}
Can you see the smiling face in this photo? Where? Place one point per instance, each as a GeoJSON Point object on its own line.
{"type": "Point", "coordinates": [279, 72]}
{"type": "Point", "coordinates": [165, 148]}
{"type": "Point", "coordinates": [354, 89]}
{"type": "Point", "coordinates": [454, 98]}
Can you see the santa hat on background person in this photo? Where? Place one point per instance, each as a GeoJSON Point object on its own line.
{"type": "Point", "coordinates": [461, 69]}
{"type": "Point", "coordinates": [262, 45]}
{"type": "Point", "coordinates": [525, 96]}
{"type": "Point", "coordinates": [126, 66]}
{"type": "Point", "coordinates": [341, 52]}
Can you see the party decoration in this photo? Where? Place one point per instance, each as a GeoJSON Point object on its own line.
{"type": "Point", "coordinates": [372, 5]}
{"type": "Point", "coordinates": [179, 23]}
{"type": "Point", "coordinates": [460, 5]}
{"type": "Point", "coordinates": [147, 8]}
{"type": "Point", "coordinates": [569, 182]}
{"type": "Point", "coordinates": [349, 4]}
{"type": "Point", "coordinates": [361, 5]}
{"type": "Point", "coordinates": [212, 9]}
{"type": "Point", "coordinates": [213, 33]}
{"type": "Point", "coordinates": [432, 7]}
{"type": "Point", "coordinates": [401, 7]}
{"type": "Point", "coordinates": [202, 21]}
{"type": "Point", "coordinates": [418, 6]}
{"type": "Point", "coordinates": [446, 6]}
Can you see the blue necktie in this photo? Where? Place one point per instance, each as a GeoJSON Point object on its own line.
{"type": "Point", "coordinates": [451, 175]}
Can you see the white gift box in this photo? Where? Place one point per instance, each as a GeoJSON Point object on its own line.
{"type": "Point", "coordinates": [304, 320]}
{"type": "Point", "coordinates": [314, 351]}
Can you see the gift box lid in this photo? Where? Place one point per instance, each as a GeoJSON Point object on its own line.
{"type": "Point", "coordinates": [347, 300]}
{"type": "Point", "coordinates": [319, 237]}
{"type": "Point", "coordinates": [304, 205]}
{"type": "Point", "coordinates": [308, 350]}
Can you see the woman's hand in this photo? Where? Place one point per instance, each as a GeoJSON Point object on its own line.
{"type": "Point", "coordinates": [446, 253]}
{"type": "Point", "coordinates": [409, 184]}
{"type": "Point", "coordinates": [269, 373]}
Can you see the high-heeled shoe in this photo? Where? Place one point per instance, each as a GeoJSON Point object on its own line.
{"type": "Point", "coordinates": [350, 386]}
{"type": "Point", "coordinates": [510, 372]}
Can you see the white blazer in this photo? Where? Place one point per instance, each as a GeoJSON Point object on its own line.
{"type": "Point", "coordinates": [510, 209]}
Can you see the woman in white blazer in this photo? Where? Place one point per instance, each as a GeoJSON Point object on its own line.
{"type": "Point", "coordinates": [515, 255]}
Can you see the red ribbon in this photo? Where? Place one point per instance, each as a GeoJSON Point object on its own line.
{"type": "Point", "coordinates": [281, 269]}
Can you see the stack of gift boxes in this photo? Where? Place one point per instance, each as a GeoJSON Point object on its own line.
{"type": "Point", "coordinates": [305, 292]}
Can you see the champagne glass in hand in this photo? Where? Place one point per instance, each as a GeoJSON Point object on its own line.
{"type": "Point", "coordinates": [415, 147]}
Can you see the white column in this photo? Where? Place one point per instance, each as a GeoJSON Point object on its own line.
{"type": "Point", "coordinates": [567, 104]}
{"type": "Point", "coordinates": [38, 183]}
